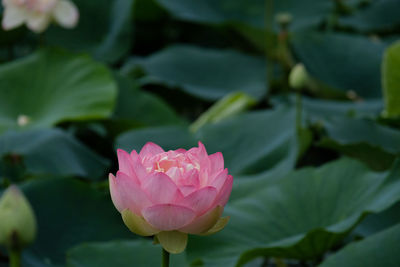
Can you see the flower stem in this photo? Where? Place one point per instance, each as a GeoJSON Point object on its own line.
{"type": "Point", "coordinates": [299, 110]}
{"type": "Point", "coordinates": [269, 42]}
{"type": "Point", "coordinates": [15, 258]}
{"type": "Point", "coordinates": [165, 258]}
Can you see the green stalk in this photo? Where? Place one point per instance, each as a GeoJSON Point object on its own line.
{"type": "Point", "coordinates": [269, 40]}
{"type": "Point", "coordinates": [15, 258]}
{"type": "Point", "coordinates": [165, 258]}
{"type": "Point", "coordinates": [299, 110]}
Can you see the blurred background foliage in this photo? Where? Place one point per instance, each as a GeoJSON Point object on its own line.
{"type": "Point", "coordinates": [313, 151]}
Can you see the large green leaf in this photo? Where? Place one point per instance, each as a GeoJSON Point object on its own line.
{"type": "Point", "coordinates": [206, 73]}
{"type": "Point", "coordinates": [52, 86]}
{"type": "Point", "coordinates": [317, 109]}
{"type": "Point", "coordinates": [381, 249]}
{"type": "Point", "coordinates": [391, 80]}
{"type": "Point", "coordinates": [304, 13]}
{"type": "Point", "coordinates": [251, 12]}
{"type": "Point", "coordinates": [302, 216]}
{"type": "Point", "coordinates": [104, 29]}
{"type": "Point", "coordinates": [131, 104]}
{"type": "Point", "coordinates": [69, 212]}
{"type": "Point", "coordinates": [380, 15]}
{"type": "Point", "coordinates": [375, 144]}
{"type": "Point", "coordinates": [342, 61]}
{"type": "Point", "coordinates": [52, 151]}
{"type": "Point", "coordinates": [251, 143]}
{"type": "Point", "coordinates": [138, 253]}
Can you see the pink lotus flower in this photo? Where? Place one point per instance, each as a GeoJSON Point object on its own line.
{"type": "Point", "coordinates": [37, 14]}
{"type": "Point", "coordinates": [171, 194]}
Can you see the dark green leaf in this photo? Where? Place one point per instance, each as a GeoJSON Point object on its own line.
{"type": "Point", "coordinates": [136, 107]}
{"type": "Point", "coordinates": [349, 63]}
{"type": "Point", "coordinates": [70, 212]}
{"type": "Point", "coordinates": [318, 109]}
{"type": "Point", "coordinates": [138, 253]}
{"type": "Point", "coordinates": [206, 73]}
{"type": "Point", "coordinates": [380, 221]}
{"type": "Point", "coordinates": [375, 144]}
{"type": "Point", "coordinates": [380, 15]}
{"type": "Point", "coordinates": [381, 249]}
{"type": "Point", "coordinates": [53, 151]}
{"type": "Point", "coordinates": [304, 13]}
{"type": "Point", "coordinates": [104, 29]}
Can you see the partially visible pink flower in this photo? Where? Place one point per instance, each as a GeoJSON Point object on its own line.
{"type": "Point", "coordinates": [37, 14]}
{"type": "Point", "coordinates": [171, 194]}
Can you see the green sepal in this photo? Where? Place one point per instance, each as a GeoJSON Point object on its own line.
{"type": "Point", "coordinates": [221, 223]}
{"type": "Point", "coordinates": [155, 240]}
{"type": "Point", "coordinates": [173, 241]}
{"type": "Point", "coordinates": [137, 224]}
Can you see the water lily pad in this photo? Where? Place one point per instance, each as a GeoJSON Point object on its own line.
{"type": "Point", "coordinates": [319, 109]}
{"type": "Point", "coordinates": [53, 151]}
{"type": "Point", "coordinates": [348, 63]}
{"type": "Point", "coordinates": [51, 86]}
{"type": "Point", "coordinates": [104, 29]}
{"type": "Point", "coordinates": [304, 13]}
{"type": "Point", "coordinates": [133, 101]}
{"type": "Point", "coordinates": [375, 144]}
{"type": "Point", "coordinates": [206, 73]}
{"type": "Point", "coordinates": [379, 16]}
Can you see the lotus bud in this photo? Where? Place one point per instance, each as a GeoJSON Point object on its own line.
{"type": "Point", "coordinates": [17, 220]}
{"type": "Point", "coordinates": [284, 19]}
{"type": "Point", "coordinates": [298, 77]}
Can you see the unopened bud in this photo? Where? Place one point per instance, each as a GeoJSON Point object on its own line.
{"type": "Point", "coordinates": [17, 220]}
{"type": "Point", "coordinates": [298, 77]}
{"type": "Point", "coordinates": [284, 19]}
{"type": "Point", "coordinates": [23, 120]}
